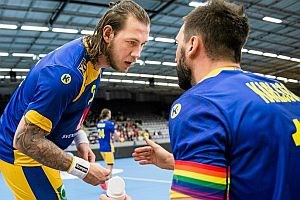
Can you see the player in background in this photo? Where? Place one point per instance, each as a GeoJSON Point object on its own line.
{"type": "Point", "coordinates": [106, 129]}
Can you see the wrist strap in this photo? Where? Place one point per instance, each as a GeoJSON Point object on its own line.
{"type": "Point", "coordinates": [79, 167]}
{"type": "Point", "coordinates": [81, 137]}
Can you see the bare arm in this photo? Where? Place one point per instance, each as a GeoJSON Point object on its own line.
{"type": "Point", "coordinates": [30, 140]}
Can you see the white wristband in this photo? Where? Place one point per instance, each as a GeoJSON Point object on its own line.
{"type": "Point", "coordinates": [79, 167]}
{"type": "Point", "coordinates": [81, 137]}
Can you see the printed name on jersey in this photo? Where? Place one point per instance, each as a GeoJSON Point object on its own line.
{"type": "Point", "coordinates": [66, 79]}
{"type": "Point", "coordinates": [175, 110]}
{"type": "Point", "coordinates": [82, 66]}
{"type": "Point", "coordinates": [272, 92]}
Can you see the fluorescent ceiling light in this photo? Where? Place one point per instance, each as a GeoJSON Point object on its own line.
{"type": "Point", "coordinates": [86, 32]}
{"type": "Point", "coordinates": [118, 74]}
{"type": "Point", "coordinates": [270, 76]}
{"type": "Point", "coordinates": [150, 38]}
{"type": "Point", "coordinates": [169, 63]}
{"type": "Point", "coordinates": [64, 30]}
{"type": "Point", "coordinates": [255, 52]}
{"type": "Point", "coordinates": [20, 70]}
{"type": "Point", "coordinates": [153, 62]}
{"type": "Point", "coordinates": [23, 55]}
{"type": "Point", "coordinates": [271, 19]}
{"type": "Point", "coordinates": [172, 77]}
{"type": "Point", "coordinates": [281, 79]}
{"type": "Point", "coordinates": [244, 50]}
{"type": "Point", "coordinates": [42, 55]}
{"type": "Point", "coordinates": [8, 26]}
{"type": "Point", "coordinates": [295, 59]}
{"type": "Point", "coordinates": [115, 80]}
{"type": "Point", "coordinates": [283, 57]}
{"type": "Point", "coordinates": [292, 80]}
{"type": "Point", "coordinates": [4, 54]}
{"type": "Point", "coordinates": [272, 55]}
{"type": "Point", "coordinates": [5, 69]}
{"type": "Point", "coordinates": [161, 39]}
{"type": "Point", "coordinates": [161, 83]}
{"type": "Point", "coordinates": [132, 74]}
{"type": "Point", "coordinates": [146, 75]}
{"type": "Point", "coordinates": [107, 73]}
{"type": "Point", "coordinates": [173, 85]}
{"type": "Point", "coordinates": [141, 82]}
{"type": "Point", "coordinates": [127, 81]}
{"type": "Point", "coordinates": [34, 28]}
{"type": "Point", "coordinates": [197, 4]}
{"type": "Point", "coordinates": [159, 76]}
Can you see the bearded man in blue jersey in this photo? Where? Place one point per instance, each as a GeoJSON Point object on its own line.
{"type": "Point", "coordinates": [47, 110]}
{"type": "Point", "coordinates": [234, 134]}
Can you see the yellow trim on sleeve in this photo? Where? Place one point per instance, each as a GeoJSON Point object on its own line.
{"type": "Point", "coordinates": [39, 120]}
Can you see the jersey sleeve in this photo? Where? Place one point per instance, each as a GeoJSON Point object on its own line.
{"type": "Point", "coordinates": [199, 136]}
{"type": "Point", "coordinates": [56, 87]}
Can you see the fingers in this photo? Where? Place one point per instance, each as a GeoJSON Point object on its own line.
{"type": "Point", "coordinates": [143, 149]}
{"type": "Point", "coordinates": [92, 157]}
{"type": "Point", "coordinates": [150, 142]}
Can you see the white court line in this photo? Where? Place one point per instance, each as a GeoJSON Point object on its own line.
{"type": "Point", "coordinates": [147, 180]}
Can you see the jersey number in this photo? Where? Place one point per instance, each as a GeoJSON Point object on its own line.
{"type": "Point", "coordinates": [101, 133]}
{"type": "Point", "coordinates": [93, 90]}
{"type": "Point", "coordinates": [296, 135]}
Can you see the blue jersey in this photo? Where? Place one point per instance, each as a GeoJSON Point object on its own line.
{"type": "Point", "coordinates": [105, 130]}
{"type": "Point", "coordinates": [56, 96]}
{"type": "Point", "coordinates": [236, 131]}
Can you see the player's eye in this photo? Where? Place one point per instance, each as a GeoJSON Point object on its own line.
{"type": "Point", "coordinates": [132, 43]}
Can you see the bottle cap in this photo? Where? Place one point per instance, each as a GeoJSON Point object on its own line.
{"type": "Point", "coordinates": [116, 188]}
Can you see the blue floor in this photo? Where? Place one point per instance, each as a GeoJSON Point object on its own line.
{"type": "Point", "coordinates": [142, 182]}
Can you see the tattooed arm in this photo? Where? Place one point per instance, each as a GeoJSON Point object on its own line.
{"type": "Point", "coordinates": [30, 140]}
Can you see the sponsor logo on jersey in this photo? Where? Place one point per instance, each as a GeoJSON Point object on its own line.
{"type": "Point", "coordinates": [66, 78]}
{"type": "Point", "coordinates": [175, 110]}
{"type": "Point", "coordinates": [62, 192]}
{"type": "Point", "coordinates": [82, 66]}
{"type": "Point", "coordinates": [67, 136]}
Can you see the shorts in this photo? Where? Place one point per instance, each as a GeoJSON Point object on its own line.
{"type": "Point", "coordinates": [108, 157]}
{"type": "Point", "coordinates": [36, 182]}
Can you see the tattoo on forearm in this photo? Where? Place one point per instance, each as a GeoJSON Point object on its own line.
{"type": "Point", "coordinates": [32, 142]}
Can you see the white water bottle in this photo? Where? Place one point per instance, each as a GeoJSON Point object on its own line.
{"type": "Point", "coordinates": [116, 188]}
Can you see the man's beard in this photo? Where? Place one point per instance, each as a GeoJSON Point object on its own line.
{"type": "Point", "coordinates": [183, 72]}
{"type": "Point", "coordinates": [110, 58]}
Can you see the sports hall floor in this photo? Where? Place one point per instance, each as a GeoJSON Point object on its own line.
{"type": "Point", "coordinates": [142, 183]}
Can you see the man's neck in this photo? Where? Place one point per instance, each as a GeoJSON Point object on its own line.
{"type": "Point", "coordinates": [102, 62]}
{"type": "Point", "coordinates": [208, 66]}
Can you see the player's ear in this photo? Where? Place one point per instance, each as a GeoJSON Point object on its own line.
{"type": "Point", "coordinates": [193, 46]}
{"type": "Point", "coordinates": [108, 33]}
